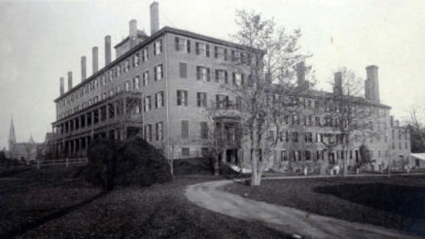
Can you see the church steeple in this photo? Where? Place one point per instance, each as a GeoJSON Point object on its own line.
{"type": "Point", "coordinates": [12, 137]}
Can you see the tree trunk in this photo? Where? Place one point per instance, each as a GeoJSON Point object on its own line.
{"type": "Point", "coordinates": [254, 176]}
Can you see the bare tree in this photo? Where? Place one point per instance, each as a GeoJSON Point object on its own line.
{"type": "Point", "coordinates": [268, 58]}
{"type": "Point", "coordinates": [350, 116]}
{"type": "Point", "coordinates": [417, 130]}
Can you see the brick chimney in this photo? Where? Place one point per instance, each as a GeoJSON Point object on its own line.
{"type": "Point", "coordinates": [107, 50]}
{"type": "Point", "coordinates": [95, 61]}
{"type": "Point", "coordinates": [154, 17]}
{"type": "Point", "coordinates": [338, 83]}
{"type": "Point", "coordinates": [83, 68]}
{"type": "Point", "coordinates": [62, 86]}
{"type": "Point", "coordinates": [133, 33]}
{"type": "Point", "coordinates": [69, 80]}
{"type": "Point", "coordinates": [300, 68]}
{"type": "Point", "coordinates": [372, 84]}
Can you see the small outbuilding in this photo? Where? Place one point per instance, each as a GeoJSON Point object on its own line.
{"type": "Point", "coordinates": [419, 160]}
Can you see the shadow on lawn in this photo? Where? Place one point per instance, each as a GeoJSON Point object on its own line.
{"type": "Point", "coordinates": [40, 221]}
{"type": "Point", "coordinates": [403, 200]}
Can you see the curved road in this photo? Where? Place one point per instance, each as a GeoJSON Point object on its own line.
{"type": "Point", "coordinates": [286, 219]}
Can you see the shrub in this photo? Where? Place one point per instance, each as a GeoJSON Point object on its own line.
{"type": "Point", "coordinates": [134, 162]}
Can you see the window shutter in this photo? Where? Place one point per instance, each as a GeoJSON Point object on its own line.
{"type": "Point", "coordinates": [154, 73]}
{"type": "Point", "coordinates": [208, 74]}
{"type": "Point", "coordinates": [225, 54]}
{"type": "Point", "coordinates": [215, 52]}
{"type": "Point", "coordinates": [185, 129]}
{"type": "Point", "coordinates": [198, 72]}
{"type": "Point", "coordinates": [217, 75]}
{"type": "Point", "coordinates": [162, 71]}
{"type": "Point", "coordinates": [197, 48]}
{"type": "Point", "coordinates": [162, 97]}
{"type": "Point", "coordinates": [179, 97]}
{"type": "Point", "coordinates": [234, 78]}
{"type": "Point", "coordinates": [225, 77]}
{"type": "Point", "coordinates": [188, 46]}
{"type": "Point", "coordinates": [177, 44]}
{"type": "Point", "coordinates": [185, 98]}
{"type": "Point", "coordinates": [160, 46]}
{"type": "Point", "coordinates": [207, 50]}
{"type": "Point", "coordinates": [242, 79]}
{"type": "Point", "coordinates": [156, 100]}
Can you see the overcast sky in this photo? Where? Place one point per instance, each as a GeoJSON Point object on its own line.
{"type": "Point", "coordinates": [40, 41]}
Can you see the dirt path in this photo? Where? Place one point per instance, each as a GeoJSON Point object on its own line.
{"type": "Point", "coordinates": [287, 219]}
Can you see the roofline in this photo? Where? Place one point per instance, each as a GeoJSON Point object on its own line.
{"type": "Point", "coordinates": [150, 39]}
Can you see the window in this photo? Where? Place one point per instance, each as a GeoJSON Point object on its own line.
{"type": "Point", "coordinates": [182, 44]}
{"type": "Point", "coordinates": [126, 66]}
{"type": "Point", "coordinates": [145, 54]}
{"type": "Point", "coordinates": [157, 47]}
{"type": "Point", "coordinates": [111, 93]}
{"type": "Point", "coordinates": [283, 156]}
{"type": "Point", "coordinates": [159, 99]}
{"type": "Point", "coordinates": [118, 71]}
{"type": "Point", "coordinates": [317, 120]}
{"type": "Point", "coordinates": [148, 132]}
{"type": "Point", "coordinates": [159, 73]}
{"type": "Point", "coordinates": [204, 130]}
{"type": "Point", "coordinates": [185, 129]}
{"type": "Point", "coordinates": [221, 76]}
{"type": "Point", "coordinates": [185, 152]}
{"type": "Point", "coordinates": [201, 99]}
{"type": "Point", "coordinates": [145, 78]}
{"type": "Point", "coordinates": [127, 86]}
{"type": "Point", "coordinates": [238, 79]}
{"type": "Point", "coordinates": [159, 133]}
{"type": "Point", "coordinates": [203, 73]}
{"type": "Point", "coordinates": [222, 101]}
{"type": "Point", "coordinates": [295, 119]}
{"type": "Point", "coordinates": [308, 137]}
{"type": "Point", "coordinates": [307, 155]}
{"type": "Point", "coordinates": [182, 97]}
{"type": "Point", "coordinates": [202, 49]}
{"type": "Point", "coordinates": [147, 104]}
{"type": "Point", "coordinates": [136, 83]}
{"type": "Point", "coordinates": [183, 70]}
{"type": "Point", "coordinates": [295, 136]}
{"type": "Point", "coordinates": [307, 120]}
{"type": "Point", "coordinates": [136, 60]}
{"type": "Point", "coordinates": [236, 56]}
{"type": "Point", "coordinates": [319, 137]}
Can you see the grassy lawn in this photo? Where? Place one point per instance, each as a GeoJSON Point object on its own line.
{"type": "Point", "coordinates": [397, 202]}
{"type": "Point", "coordinates": [50, 204]}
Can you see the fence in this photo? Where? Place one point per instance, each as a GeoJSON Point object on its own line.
{"type": "Point", "coordinates": [58, 162]}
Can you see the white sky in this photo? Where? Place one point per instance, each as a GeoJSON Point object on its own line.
{"type": "Point", "coordinates": [40, 41]}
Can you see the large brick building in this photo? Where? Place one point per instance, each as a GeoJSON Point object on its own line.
{"type": "Point", "coordinates": [160, 87]}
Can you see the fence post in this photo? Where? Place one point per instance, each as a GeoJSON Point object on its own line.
{"type": "Point", "coordinates": [67, 164]}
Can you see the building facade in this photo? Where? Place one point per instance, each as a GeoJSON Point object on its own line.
{"type": "Point", "coordinates": [161, 86]}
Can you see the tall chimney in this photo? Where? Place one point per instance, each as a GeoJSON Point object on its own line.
{"type": "Point", "coordinates": [107, 50]}
{"type": "Point", "coordinates": [69, 80]}
{"type": "Point", "coordinates": [338, 83]}
{"type": "Point", "coordinates": [372, 85]}
{"type": "Point", "coordinates": [95, 52]}
{"type": "Point", "coordinates": [133, 33]}
{"type": "Point", "coordinates": [83, 68]}
{"type": "Point", "coordinates": [300, 68]}
{"type": "Point", "coordinates": [154, 17]}
{"type": "Point", "coordinates": [62, 87]}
